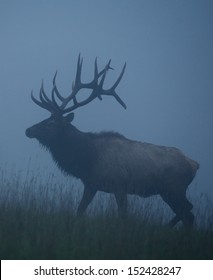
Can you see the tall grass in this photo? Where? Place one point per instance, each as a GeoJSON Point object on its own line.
{"type": "Point", "coordinates": [38, 221]}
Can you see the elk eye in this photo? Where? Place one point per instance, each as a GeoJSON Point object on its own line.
{"type": "Point", "coordinates": [51, 123]}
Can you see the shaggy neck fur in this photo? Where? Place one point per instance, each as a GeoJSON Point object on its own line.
{"type": "Point", "coordinates": [72, 150]}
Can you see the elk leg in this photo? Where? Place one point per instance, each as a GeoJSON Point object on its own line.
{"type": "Point", "coordinates": [86, 199]}
{"type": "Point", "coordinates": [181, 207]}
{"type": "Point", "coordinates": [121, 199]}
{"type": "Point", "coordinates": [174, 221]}
{"type": "Point", "coordinates": [187, 218]}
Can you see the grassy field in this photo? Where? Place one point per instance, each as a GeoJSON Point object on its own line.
{"type": "Point", "coordinates": [37, 221]}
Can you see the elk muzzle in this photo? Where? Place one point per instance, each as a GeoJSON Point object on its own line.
{"type": "Point", "coordinates": [29, 132]}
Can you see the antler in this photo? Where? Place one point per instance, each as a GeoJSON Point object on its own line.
{"type": "Point", "coordinates": [97, 91]}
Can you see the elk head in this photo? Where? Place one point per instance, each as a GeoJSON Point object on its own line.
{"type": "Point", "coordinates": [62, 114]}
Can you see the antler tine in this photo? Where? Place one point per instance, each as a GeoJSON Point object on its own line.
{"type": "Point", "coordinates": [78, 72]}
{"type": "Point", "coordinates": [35, 100]}
{"type": "Point", "coordinates": [41, 103]}
{"type": "Point", "coordinates": [55, 104]}
{"type": "Point", "coordinates": [119, 100]}
{"type": "Point", "coordinates": [96, 76]}
{"type": "Point", "coordinates": [43, 97]}
{"type": "Point", "coordinates": [76, 86]}
{"type": "Point", "coordinates": [52, 104]}
{"type": "Point", "coordinates": [111, 91]}
{"type": "Point", "coordinates": [60, 97]}
{"type": "Point", "coordinates": [56, 92]}
{"type": "Point", "coordinates": [102, 78]}
{"type": "Point", "coordinates": [106, 68]}
{"type": "Point", "coordinates": [95, 68]}
{"type": "Point", "coordinates": [119, 78]}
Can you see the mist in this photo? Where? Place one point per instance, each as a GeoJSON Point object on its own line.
{"type": "Point", "coordinates": [167, 85]}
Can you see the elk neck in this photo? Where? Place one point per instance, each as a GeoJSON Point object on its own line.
{"type": "Point", "coordinates": [73, 151]}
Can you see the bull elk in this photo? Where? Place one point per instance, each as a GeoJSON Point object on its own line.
{"type": "Point", "coordinates": [108, 161]}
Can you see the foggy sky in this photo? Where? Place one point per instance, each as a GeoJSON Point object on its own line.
{"type": "Point", "coordinates": [167, 86]}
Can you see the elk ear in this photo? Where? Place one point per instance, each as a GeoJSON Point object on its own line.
{"type": "Point", "coordinates": [69, 117]}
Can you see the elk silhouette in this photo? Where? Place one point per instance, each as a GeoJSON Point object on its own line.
{"type": "Point", "coordinates": [108, 161]}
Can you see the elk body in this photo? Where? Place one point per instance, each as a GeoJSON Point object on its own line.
{"type": "Point", "coordinates": [108, 161]}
